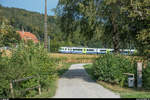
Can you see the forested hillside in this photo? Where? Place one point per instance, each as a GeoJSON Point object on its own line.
{"type": "Point", "coordinates": [30, 21]}
{"type": "Point", "coordinates": [34, 22]}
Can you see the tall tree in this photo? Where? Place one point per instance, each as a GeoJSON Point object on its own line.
{"type": "Point", "coordinates": [139, 23]}
{"type": "Point", "coordinates": [92, 16]}
{"type": "Point", "coordinates": [78, 16]}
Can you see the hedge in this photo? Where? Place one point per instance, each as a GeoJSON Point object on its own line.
{"type": "Point", "coordinates": [110, 68]}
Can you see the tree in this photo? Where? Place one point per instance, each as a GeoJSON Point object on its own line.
{"type": "Point", "coordinates": [8, 35]}
{"type": "Point", "coordinates": [79, 16]}
{"type": "Point", "coordinates": [139, 24]}
{"type": "Point", "coordinates": [98, 18]}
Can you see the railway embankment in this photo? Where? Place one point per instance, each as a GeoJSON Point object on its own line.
{"type": "Point", "coordinates": [75, 58]}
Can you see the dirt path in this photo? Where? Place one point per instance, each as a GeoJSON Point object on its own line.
{"type": "Point", "coordinates": [76, 83]}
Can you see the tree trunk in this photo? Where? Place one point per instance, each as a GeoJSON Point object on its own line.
{"type": "Point", "coordinates": [116, 42]}
{"type": "Point", "coordinates": [115, 37]}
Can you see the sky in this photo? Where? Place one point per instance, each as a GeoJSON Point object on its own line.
{"type": "Point", "coordinates": [31, 5]}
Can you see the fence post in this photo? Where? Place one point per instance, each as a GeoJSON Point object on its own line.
{"type": "Point", "coordinates": [39, 85]}
{"type": "Point", "coordinates": [139, 74]}
{"type": "Point", "coordinates": [11, 89]}
{"type": "Point", "coordinates": [39, 89]}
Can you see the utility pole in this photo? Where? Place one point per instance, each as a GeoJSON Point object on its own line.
{"type": "Point", "coordinates": [48, 43]}
{"type": "Point", "coordinates": [45, 26]}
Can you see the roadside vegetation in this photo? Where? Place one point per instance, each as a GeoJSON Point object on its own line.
{"type": "Point", "coordinates": [25, 61]}
{"type": "Point", "coordinates": [30, 59]}
{"type": "Point", "coordinates": [108, 71]}
{"type": "Point", "coordinates": [61, 69]}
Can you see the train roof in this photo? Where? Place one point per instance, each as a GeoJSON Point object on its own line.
{"type": "Point", "coordinates": [85, 47]}
{"type": "Point", "coordinates": [99, 48]}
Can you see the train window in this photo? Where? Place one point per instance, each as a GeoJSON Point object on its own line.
{"type": "Point", "coordinates": [65, 48]}
{"type": "Point", "coordinates": [125, 52]}
{"type": "Point", "coordinates": [70, 49]}
{"type": "Point", "coordinates": [102, 50]}
{"type": "Point", "coordinates": [90, 49]}
{"type": "Point", "coordinates": [77, 49]}
{"type": "Point", "coordinates": [61, 48]}
{"type": "Point", "coordinates": [98, 50]}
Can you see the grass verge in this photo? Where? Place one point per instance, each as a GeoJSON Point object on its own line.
{"type": "Point", "coordinates": [124, 92]}
{"type": "Point", "coordinates": [75, 58]}
{"type": "Point", "coordinates": [50, 92]}
{"type": "Point", "coordinates": [61, 69]}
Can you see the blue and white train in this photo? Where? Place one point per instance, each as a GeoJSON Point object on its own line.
{"type": "Point", "coordinates": [82, 50]}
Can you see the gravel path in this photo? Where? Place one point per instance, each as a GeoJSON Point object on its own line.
{"type": "Point", "coordinates": [76, 83]}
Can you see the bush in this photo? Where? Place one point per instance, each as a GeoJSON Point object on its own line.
{"type": "Point", "coordinates": [26, 60]}
{"type": "Point", "coordinates": [110, 68]}
{"type": "Point", "coordinates": [4, 83]}
{"type": "Point", "coordinates": [146, 78]}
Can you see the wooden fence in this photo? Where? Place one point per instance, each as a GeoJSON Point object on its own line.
{"type": "Point", "coordinates": [12, 83]}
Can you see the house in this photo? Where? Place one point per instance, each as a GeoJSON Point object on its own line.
{"type": "Point", "coordinates": [28, 36]}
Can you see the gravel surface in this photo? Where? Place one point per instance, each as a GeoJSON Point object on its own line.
{"type": "Point", "coordinates": [76, 83]}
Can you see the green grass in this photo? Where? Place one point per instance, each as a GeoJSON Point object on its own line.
{"type": "Point", "coordinates": [135, 95]}
{"type": "Point", "coordinates": [124, 92]}
{"type": "Point", "coordinates": [53, 85]}
{"type": "Point", "coordinates": [89, 70]}
{"type": "Point", "coordinates": [50, 92]}
{"type": "Point", "coordinates": [63, 69]}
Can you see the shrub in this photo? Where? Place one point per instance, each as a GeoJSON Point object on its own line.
{"type": "Point", "coordinates": [110, 68]}
{"type": "Point", "coordinates": [146, 78]}
{"type": "Point", "coordinates": [26, 60]}
{"type": "Point", "coordinates": [4, 83]}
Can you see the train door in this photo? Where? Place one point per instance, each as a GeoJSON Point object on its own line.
{"type": "Point", "coordinates": [84, 50]}
{"type": "Point", "coordinates": [97, 51]}
{"type": "Point", "coordinates": [107, 51]}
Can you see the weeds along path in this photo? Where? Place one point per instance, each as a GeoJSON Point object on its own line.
{"type": "Point", "coordinates": [76, 83]}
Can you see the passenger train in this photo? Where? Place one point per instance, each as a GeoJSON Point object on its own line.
{"type": "Point", "coordinates": [82, 50]}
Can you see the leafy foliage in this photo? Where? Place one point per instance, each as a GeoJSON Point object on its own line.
{"type": "Point", "coordinates": [97, 20]}
{"type": "Point", "coordinates": [26, 60]}
{"type": "Point", "coordinates": [138, 20]}
{"type": "Point", "coordinates": [117, 23]}
{"type": "Point", "coordinates": [4, 74]}
{"type": "Point", "coordinates": [8, 35]}
{"type": "Point", "coordinates": [145, 77]}
{"type": "Point", "coordinates": [110, 68]}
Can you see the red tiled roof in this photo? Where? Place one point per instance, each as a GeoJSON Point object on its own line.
{"type": "Point", "coordinates": [28, 36]}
